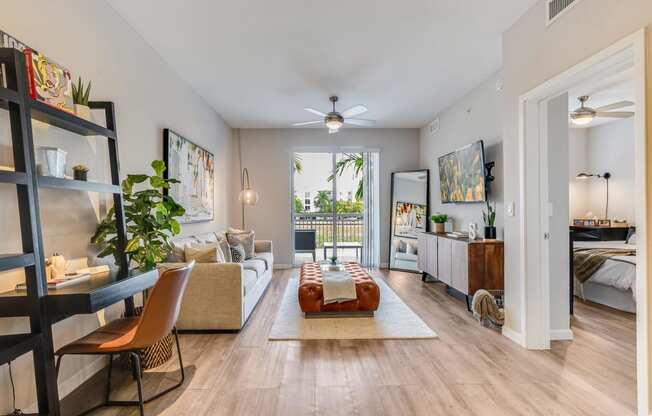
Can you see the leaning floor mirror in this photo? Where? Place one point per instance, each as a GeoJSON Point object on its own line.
{"type": "Point", "coordinates": [410, 199]}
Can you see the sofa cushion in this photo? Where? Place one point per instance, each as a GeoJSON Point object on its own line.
{"type": "Point", "coordinates": [406, 256]}
{"type": "Point", "coordinates": [237, 254]}
{"type": "Point", "coordinates": [177, 254]}
{"type": "Point", "coordinates": [249, 280]}
{"type": "Point", "coordinates": [207, 238]}
{"type": "Point", "coordinates": [226, 249]}
{"type": "Point", "coordinates": [246, 238]}
{"type": "Point", "coordinates": [268, 258]}
{"type": "Point", "coordinates": [204, 253]}
{"type": "Point", "coordinates": [257, 265]}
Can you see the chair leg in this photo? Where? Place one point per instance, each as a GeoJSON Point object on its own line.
{"type": "Point", "coordinates": [135, 359]}
{"type": "Point", "coordinates": [108, 379]}
{"type": "Point", "coordinates": [176, 339]}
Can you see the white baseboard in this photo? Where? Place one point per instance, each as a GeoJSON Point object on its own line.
{"type": "Point", "coordinates": [383, 266]}
{"type": "Point", "coordinates": [561, 335]}
{"type": "Point", "coordinates": [517, 337]}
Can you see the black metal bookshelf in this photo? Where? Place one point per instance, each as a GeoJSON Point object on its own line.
{"type": "Point", "coordinates": [43, 308]}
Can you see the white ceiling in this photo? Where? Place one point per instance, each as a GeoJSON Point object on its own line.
{"type": "Point", "coordinates": [259, 62]}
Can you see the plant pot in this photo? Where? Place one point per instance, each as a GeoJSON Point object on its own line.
{"type": "Point", "coordinates": [490, 233]}
{"type": "Point", "coordinates": [83, 111]}
{"type": "Point", "coordinates": [440, 227]}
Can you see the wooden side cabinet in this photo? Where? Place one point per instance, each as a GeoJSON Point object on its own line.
{"type": "Point", "coordinates": [463, 265]}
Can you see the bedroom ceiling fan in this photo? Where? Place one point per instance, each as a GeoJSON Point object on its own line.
{"type": "Point", "coordinates": [584, 115]}
{"type": "Point", "coordinates": [335, 120]}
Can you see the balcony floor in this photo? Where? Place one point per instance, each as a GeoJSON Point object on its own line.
{"type": "Point", "coordinates": [344, 254]}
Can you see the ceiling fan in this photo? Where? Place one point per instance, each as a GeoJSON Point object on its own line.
{"type": "Point", "coordinates": [584, 115]}
{"type": "Point", "coordinates": [335, 120]}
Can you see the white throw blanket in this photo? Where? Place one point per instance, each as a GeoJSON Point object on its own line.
{"type": "Point", "coordinates": [338, 287]}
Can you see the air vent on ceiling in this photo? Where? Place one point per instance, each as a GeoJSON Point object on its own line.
{"type": "Point", "coordinates": [556, 8]}
{"type": "Point", "coordinates": [433, 127]}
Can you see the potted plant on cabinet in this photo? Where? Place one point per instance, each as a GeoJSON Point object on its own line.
{"type": "Point", "coordinates": [489, 217]}
{"type": "Point", "coordinates": [80, 96]}
{"type": "Point", "coordinates": [440, 221]}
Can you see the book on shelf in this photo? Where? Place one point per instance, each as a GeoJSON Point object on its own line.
{"type": "Point", "coordinates": [69, 279]}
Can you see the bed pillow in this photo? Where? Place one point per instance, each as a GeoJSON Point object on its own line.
{"type": "Point", "coordinates": [631, 239]}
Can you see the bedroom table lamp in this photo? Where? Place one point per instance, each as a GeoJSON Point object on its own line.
{"type": "Point", "coordinates": [604, 176]}
{"type": "Point", "coordinates": [247, 195]}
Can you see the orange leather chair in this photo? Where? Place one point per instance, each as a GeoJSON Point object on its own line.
{"type": "Point", "coordinates": [128, 335]}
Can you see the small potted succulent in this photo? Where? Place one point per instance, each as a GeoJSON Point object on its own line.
{"type": "Point", "coordinates": [440, 221]}
{"type": "Point", "coordinates": [333, 260]}
{"type": "Point", "coordinates": [80, 96]}
{"type": "Point", "coordinates": [489, 217]}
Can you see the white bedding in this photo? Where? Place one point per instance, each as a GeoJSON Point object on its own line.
{"type": "Point", "coordinates": [619, 271]}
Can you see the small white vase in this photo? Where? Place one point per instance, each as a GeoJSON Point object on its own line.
{"type": "Point", "coordinates": [83, 111]}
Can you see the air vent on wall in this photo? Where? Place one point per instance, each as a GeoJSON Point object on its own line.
{"type": "Point", "coordinates": [556, 8]}
{"type": "Point", "coordinates": [433, 127]}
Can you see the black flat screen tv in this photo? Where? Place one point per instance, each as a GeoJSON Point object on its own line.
{"type": "Point", "coordinates": [462, 176]}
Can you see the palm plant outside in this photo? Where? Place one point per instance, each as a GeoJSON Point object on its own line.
{"type": "Point", "coordinates": [356, 161]}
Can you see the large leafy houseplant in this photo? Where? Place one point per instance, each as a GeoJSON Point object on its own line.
{"type": "Point", "coordinates": [150, 219]}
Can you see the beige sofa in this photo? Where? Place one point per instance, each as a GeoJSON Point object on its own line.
{"type": "Point", "coordinates": [221, 296]}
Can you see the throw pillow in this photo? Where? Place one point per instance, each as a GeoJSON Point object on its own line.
{"type": "Point", "coordinates": [206, 254]}
{"type": "Point", "coordinates": [221, 258]}
{"type": "Point", "coordinates": [245, 238]}
{"type": "Point", "coordinates": [226, 250]}
{"type": "Point", "coordinates": [237, 253]}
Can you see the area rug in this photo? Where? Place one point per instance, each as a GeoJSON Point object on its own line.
{"type": "Point", "coordinates": [393, 320]}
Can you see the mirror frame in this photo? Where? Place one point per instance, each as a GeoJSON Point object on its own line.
{"type": "Point", "coordinates": [391, 219]}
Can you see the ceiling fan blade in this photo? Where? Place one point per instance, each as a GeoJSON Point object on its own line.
{"type": "Point", "coordinates": [308, 123]}
{"type": "Point", "coordinates": [359, 122]}
{"type": "Point", "coordinates": [354, 111]}
{"type": "Point", "coordinates": [615, 106]}
{"type": "Point", "coordinates": [317, 112]}
{"type": "Point", "coordinates": [615, 114]}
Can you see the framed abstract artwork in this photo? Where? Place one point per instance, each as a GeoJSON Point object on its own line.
{"type": "Point", "coordinates": [194, 168]}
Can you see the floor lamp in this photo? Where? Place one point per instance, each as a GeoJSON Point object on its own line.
{"type": "Point", "coordinates": [604, 176]}
{"type": "Point", "coordinates": [247, 195]}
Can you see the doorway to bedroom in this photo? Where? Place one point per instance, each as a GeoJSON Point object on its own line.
{"type": "Point", "coordinates": [583, 222]}
{"type": "Point", "coordinates": [335, 206]}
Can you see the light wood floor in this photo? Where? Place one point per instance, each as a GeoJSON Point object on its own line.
{"type": "Point", "coordinates": [469, 370]}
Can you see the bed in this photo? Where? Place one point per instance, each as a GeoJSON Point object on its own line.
{"type": "Point", "coordinates": [614, 283]}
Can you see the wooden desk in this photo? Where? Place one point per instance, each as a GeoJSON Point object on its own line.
{"type": "Point", "coordinates": [97, 293]}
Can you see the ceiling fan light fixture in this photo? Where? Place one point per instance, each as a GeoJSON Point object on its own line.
{"type": "Point", "coordinates": [582, 118]}
{"type": "Point", "coordinates": [334, 121]}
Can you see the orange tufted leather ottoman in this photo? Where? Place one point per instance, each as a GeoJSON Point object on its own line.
{"type": "Point", "coordinates": [311, 292]}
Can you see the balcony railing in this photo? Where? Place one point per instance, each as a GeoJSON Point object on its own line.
{"type": "Point", "coordinates": [348, 227]}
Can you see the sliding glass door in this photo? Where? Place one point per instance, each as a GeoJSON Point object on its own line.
{"type": "Point", "coordinates": [333, 207]}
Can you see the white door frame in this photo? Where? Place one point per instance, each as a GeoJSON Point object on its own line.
{"type": "Point", "coordinates": [534, 297]}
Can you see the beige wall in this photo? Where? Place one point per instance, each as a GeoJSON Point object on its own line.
{"type": "Point", "coordinates": [266, 154]}
{"type": "Point", "coordinates": [476, 116]}
{"type": "Point", "coordinates": [534, 53]}
{"type": "Point", "coordinates": [93, 41]}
